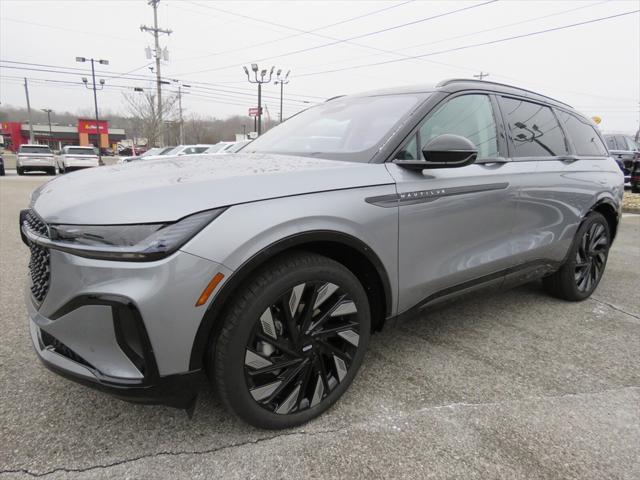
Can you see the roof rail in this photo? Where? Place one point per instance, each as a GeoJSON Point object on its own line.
{"type": "Point", "coordinates": [475, 80]}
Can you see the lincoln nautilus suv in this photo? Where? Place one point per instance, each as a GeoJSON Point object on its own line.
{"type": "Point", "coordinates": [268, 270]}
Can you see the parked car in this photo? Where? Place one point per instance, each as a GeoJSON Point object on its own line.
{"type": "Point", "coordinates": [219, 147]}
{"type": "Point", "coordinates": [236, 147]}
{"type": "Point", "coordinates": [73, 157]}
{"type": "Point", "coordinates": [625, 152]}
{"type": "Point", "coordinates": [156, 151]}
{"type": "Point", "coordinates": [1, 166]}
{"type": "Point", "coordinates": [270, 272]}
{"type": "Point", "coordinates": [181, 150]}
{"type": "Point", "coordinates": [35, 158]}
{"type": "Point", "coordinates": [635, 177]}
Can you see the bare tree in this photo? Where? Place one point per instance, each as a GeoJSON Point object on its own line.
{"type": "Point", "coordinates": [143, 108]}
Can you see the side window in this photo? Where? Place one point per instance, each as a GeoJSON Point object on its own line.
{"type": "Point", "coordinates": [611, 142]}
{"type": "Point", "coordinates": [585, 139]}
{"type": "Point", "coordinates": [631, 145]}
{"type": "Point", "coordinates": [470, 116]}
{"type": "Point", "coordinates": [534, 129]}
{"type": "Point", "coordinates": [410, 150]}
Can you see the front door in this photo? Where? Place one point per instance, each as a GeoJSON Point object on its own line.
{"type": "Point", "coordinates": [455, 223]}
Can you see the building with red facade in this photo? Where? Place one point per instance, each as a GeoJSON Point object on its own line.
{"type": "Point", "coordinates": [86, 132]}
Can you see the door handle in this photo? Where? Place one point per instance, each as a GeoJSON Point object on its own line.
{"type": "Point", "coordinates": [493, 160]}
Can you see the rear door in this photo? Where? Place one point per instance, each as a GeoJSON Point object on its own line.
{"type": "Point", "coordinates": [455, 223]}
{"type": "Point", "coordinates": [570, 171]}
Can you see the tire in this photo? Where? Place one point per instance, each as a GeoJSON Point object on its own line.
{"type": "Point", "coordinates": [20, 171]}
{"type": "Point", "coordinates": [581, 273]}
{"type": "Point", "coordinates": [318, 364]}
{"type": "Point", "coordinates": [635, 189]}
{"type": "Point", "coordinates": [52, 171]}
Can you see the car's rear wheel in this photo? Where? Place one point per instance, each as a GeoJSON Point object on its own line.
{"type": "Point", "coordinates": [293, 340]}
{"type": "Point", "coordinates": [583, 270]}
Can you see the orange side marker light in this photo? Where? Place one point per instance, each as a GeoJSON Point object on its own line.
{"type": "Point", "coordinates": [206, 293]}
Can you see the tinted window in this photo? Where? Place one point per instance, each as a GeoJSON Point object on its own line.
{"type": "Point", "coordinates": [534, 129]}
{"type": "Point", "coordinates": [79, 151]}
{"type": "Point", "coordinates": [470, 116]}
{"type": "Point", "coordinates": [584, 137]}
{"type": "Point", "coordinates": [34, 149]}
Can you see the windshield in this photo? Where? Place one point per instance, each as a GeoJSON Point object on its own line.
{"type": "Point", "coordinates": [347, 128]}
{"type": "Point", "coordinates": [173, 151]}
{"type": "Point", "coordinates": [34, 149]}
{"type": "Point", "coordinates": [152, 151]}
{"type": "Point", "coordinates": [216, 148]}
{"type": "Point", "coordinates": [238, 146]}
{"type": "Point", "coordinates": [80, 151]}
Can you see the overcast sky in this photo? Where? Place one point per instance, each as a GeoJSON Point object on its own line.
{"type": "Point", "coordinates": [595, 67]}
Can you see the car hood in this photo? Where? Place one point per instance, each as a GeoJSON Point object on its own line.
{"type": "Point", "coordinates": [171, 188]}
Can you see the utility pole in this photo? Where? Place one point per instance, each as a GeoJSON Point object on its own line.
{"type": "Point", "coordinates": [155, 31]}
{"type": "Point", "coordinates": [26, 91]}
{"type": "Point", "coordinates": [481, 75]}
{"type": "Point", "coordinates": [48, 112]}
{"type": "Point", "coordinates": [180, 85]}
{"type": "Point", "coordinates": [95, 94]}
{"type": "Point", "coordinates": [259, 81]}
{"type": "Point", "coordinates": [282, 81]}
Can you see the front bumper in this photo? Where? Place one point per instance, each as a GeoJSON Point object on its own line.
{"type": "Point", "coordinates": [174, 390]}
{"type": "Point", "coordinates": [127, 328]}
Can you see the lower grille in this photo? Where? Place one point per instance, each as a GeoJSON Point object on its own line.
{"type": "Point", "coordinates": [39, 262]}
{"type": "Point", "coordinates": [49, 341]}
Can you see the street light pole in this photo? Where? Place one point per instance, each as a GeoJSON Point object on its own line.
{"type": "Point", "coordinates": [95, 94]}
{"type": "Point", "coordinates": [48, 112]}
{"type": "Point", "coordinates": [259, 81]}
{"type": "Point", "coordinates": [282, 81]}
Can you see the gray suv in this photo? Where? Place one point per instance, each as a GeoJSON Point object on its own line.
{"type": "Point", "coordinates": [268, 270]}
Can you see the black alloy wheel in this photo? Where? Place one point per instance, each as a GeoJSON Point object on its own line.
{"type": "Point", "coordinates": [579, 276]}
{"type": "Point", "coordinates": [591, 257]}
{"type": "Point", "coordinates": [301, 347]}
{"type": "Point", "coordinates": [293, 340]}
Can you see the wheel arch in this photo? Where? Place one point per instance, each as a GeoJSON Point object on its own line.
{"type": "Point", "coordinates": [346, 249]}
{"type": "Point", "coordinates": [607, 208]}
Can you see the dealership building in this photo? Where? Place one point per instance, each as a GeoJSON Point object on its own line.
{"type": "Point", "coordinates": [86, 132]}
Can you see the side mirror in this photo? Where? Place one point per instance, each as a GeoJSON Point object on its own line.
{"type": "Point", "coordinates": [444, 151]}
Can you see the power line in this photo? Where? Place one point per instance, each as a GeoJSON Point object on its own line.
{"type": "Point", "coordinates": [464, 47]}
{"type": "Point", "coordinates": [78, 71]}
{"type": "Point", "coordinates": [469, 34]}
{"type": "Point", "coordinates": [300, 32]}
{"type": "Point", "coordinates": [345, 40]}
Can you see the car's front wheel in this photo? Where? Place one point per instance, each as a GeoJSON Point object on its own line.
{"type": "Point", "coordinates": [292, 341]}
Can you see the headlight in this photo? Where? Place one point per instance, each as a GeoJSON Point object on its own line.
{"type": "Point", "coordinates": [142, 242]}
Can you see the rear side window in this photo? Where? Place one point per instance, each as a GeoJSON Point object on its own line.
{"type": "Point", "coordinates": [534, 129]}
{"type": "Point", "coordinates": [585, 139]}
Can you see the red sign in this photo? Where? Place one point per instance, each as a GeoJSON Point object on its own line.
{"type": "Point", "coordinates": [89, 126]}
{"type": "Point", "coordinates": [253, 111]}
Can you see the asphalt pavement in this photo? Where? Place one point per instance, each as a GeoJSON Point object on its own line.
{"type": "Point", "coordinates": [516, 386]}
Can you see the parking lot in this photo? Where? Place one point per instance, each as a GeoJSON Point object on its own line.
{"type": "Point", "coordinates": [518, 385]}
